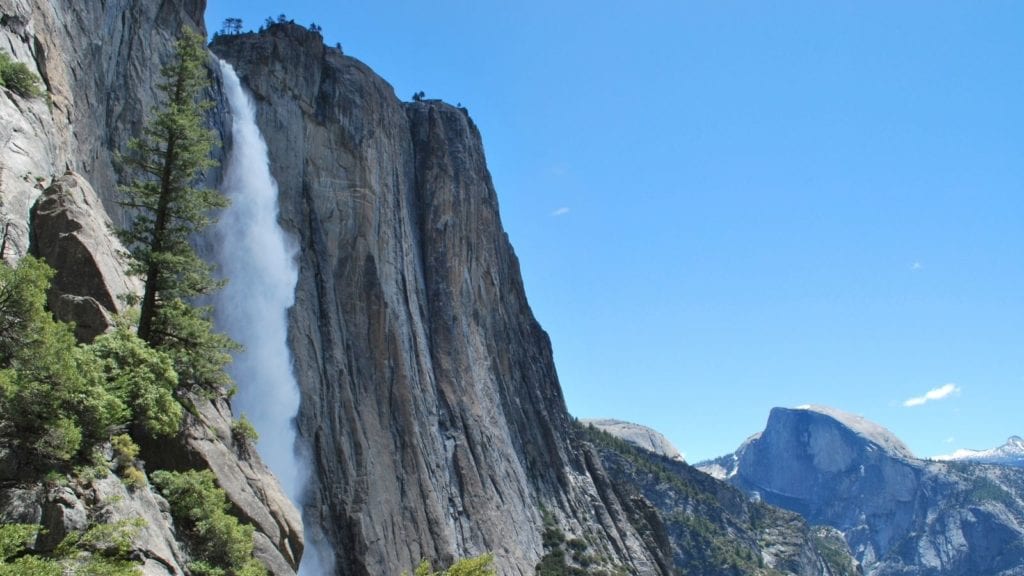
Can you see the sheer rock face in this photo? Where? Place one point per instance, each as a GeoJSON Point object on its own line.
{"type": "Point", "coordinates": [900, 515]}
{"type": "Point", "coordinates": [429, 396]}
{"type": "Point", "coordinates": [100, 63]}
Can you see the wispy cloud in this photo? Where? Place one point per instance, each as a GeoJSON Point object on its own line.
{"type": "Point", "coordinates": [561, 211]}
{"type": "Point", "coordinates": [916, 265]}
{"type": "Point", "coordinates": [934, 394]}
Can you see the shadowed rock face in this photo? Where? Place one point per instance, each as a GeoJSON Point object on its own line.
{"type": "Point", "coordinates": [817, 462]}
{"type": "Point", "coordinates": [900, 515]}
{"type": "Point", "coordinates": [429, 396]}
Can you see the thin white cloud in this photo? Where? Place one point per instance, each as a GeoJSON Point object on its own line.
{"type": "Point", "coordinates": [561, 211]}
{"type": "Point", "coordinates": [916, 265]}
{"type": "Point", "coordinates": [934, 394]}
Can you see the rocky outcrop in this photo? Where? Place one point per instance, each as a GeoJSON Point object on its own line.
{"type": "Point", "coordinates": [899, 515]}
{"type": "Point", "coordinates": [640, 436]}
{"type": "Point", "coordinates": [73, 506]}
{"type": "Point", "coordinates": [256, 496]}
{"type": "Point", "coordinates": [429, 396]}
{"type": "Point", "coordinates": [72, 233]}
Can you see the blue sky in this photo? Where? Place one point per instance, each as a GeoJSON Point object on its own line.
{"type": "Point", "coordinates": [721, 207]}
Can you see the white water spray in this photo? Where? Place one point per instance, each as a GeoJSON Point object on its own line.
{"type": "Point", "coordinates": [258, 259]}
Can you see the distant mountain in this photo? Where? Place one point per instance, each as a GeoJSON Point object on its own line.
{"type": "Point", "coordinates": [704, 526]}
{"type": "Point", "coordinates": [1009, 454]}
{"type": "Point", "coordinates": [637, 435]}
{"type": "Point", "coordinates": [900, 515]}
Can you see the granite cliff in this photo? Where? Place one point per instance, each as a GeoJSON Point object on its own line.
{"type": "Point", "coordinates": [429, 396]}
{"type": "Point", "coordinates": [99, 63]}
{"type": "Point", "coordinates": [430, 407]}
{"type": "Point", "coordinates": [899, 514]}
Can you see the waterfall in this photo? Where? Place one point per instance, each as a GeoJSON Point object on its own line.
{"type": "Point", "coordinates": [259, 260]}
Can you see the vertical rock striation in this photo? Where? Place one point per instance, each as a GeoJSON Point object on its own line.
{"type": "Point", "coordinates": [429, 396]}
{"type": "Point", "coordinates": [99, 63]}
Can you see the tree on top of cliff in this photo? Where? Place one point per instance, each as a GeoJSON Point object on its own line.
{"type": "Point", "coordinates": [231, 26]}
{"type": "Point", "coordinates": [166, 161]}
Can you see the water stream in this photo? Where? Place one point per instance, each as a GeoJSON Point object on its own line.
{"type": "Point", "coordinates": [259, 260]}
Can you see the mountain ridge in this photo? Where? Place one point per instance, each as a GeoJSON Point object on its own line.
{"type": "Point", "coordinates": [637, 434]}
{"type": "Point", "coordinates": [899, 514]}
{"type": "Point", "coordinates": [1011, 453]}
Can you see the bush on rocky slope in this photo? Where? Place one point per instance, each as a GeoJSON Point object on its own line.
{"type": "Point", "coordinates": [16, 76]}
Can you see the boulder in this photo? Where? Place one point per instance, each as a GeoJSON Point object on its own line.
{"type": "Point", "coordinates": [72, 233]}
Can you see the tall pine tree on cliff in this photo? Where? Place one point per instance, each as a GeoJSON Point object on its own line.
{"type": "Point", "coordinates": [166, 163]}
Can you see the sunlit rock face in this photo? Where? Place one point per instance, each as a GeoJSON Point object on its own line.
{"type": "Point", "coordinates": [429, 397]}
{"type": "Point", "coordinates": [99, 63]}
{"type": "Point", "coordinates": [900, 515]}
{"type": "Point", "coordinates": [640, 436]}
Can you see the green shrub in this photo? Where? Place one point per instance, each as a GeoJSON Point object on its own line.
{"type": "Point", "coordinates": [244, 433]}
{"type": "Point", "coordinates": [14, 538]}
{"type": "Point", "coordinates": [53, 391]}
{"type": "Point", "coordinates": [16, 76]}
{"type": "Point", "coordinates": [63, 399]}
{"type": "Point", "coordinates": [142, 378]}
{"type": "Point", "coordinates": [133, 477]}
{"type": "Point", "coordinates": [125, 453]}
{"type": "Point", "coordinates": [482, 565]}
{"type": "Point", "coordinates": [218, 543]}
{"type": "Point", "coordinates": [60, 439]}
{"type": "Point", "coordinates": [102, 550]}
{"type": "Point", "coordinates": [125, 450]}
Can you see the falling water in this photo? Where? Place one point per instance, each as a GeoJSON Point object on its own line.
{"type": "Point", "coordinates": [259, 260]}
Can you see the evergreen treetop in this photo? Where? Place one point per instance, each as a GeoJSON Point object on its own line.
{"type": "Point", "coordinates": [169, 207]}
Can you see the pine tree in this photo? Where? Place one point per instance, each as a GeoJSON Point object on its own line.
{"type": "Point", "coordinates": [166, 162]}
